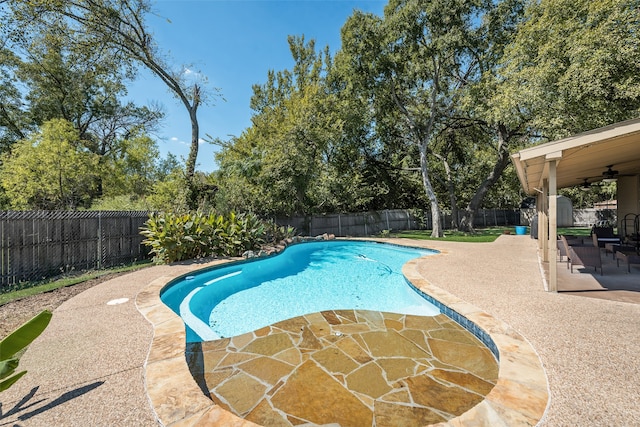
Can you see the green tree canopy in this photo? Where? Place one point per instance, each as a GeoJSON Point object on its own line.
{"type": "Point", "coordinates": [119, 28]}
{"type": "Point", "coordinates": [286, 162]}
{"type": "Point", "coordinates": [573, 65]}
{"type": "Point", "coordinates": [50, 170]}
{"type": "Point", "coordinates": [413, 64]}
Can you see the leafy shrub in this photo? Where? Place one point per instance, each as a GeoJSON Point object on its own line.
{"type": "Point", "coordinates": [275, 233]}
{"type": "Point", "coordinates": [176, 237]}
{"type": "Point", "coordinates": [241, 233]}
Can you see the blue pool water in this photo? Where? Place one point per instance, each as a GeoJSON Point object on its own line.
{"type": "Point", "coordinates": [305, 278]}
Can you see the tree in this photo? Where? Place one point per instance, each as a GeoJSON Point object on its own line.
{"type": "Point", "coordinates": [574, 65]}
{"type": "Point", "coordinates": [119, 26]}
{"type": "Point", "coordinates": [556, 70]}
{"type": "Point", "coordinates": [50, 170]}
{"type": "Point", "coordinates": [132, 169]}
{"type": "Point", "coordinates": [277, 158]}
{"type": "Point", "coordinates": [471, 125]}
{"type": "Point", "coordinates": [585, 198]}
{"type": "Point", "coordinates": [83, 88]}
{"type": "Point", "coordinates": [408, 62]}
{"type": "Point", "coordinates": [560, 68]}
{"type": "Point", "coordinates": [66, 79]}
{"type": "Point", "coordinates": [13, 119]}
{"type": "Point", "coordinates": [284, 163]}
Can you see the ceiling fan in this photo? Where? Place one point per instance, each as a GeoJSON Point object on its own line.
{"type": "Point", "coordinates": [586, 185]}
{"type": "Point", "coordinates": [609, 175]}
{"type": "Point", "coordinates": [589, 183]}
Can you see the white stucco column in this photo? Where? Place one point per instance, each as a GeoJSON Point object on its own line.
{"type": "Point", "coordinates": [553, 228]}
{"type": "Point", "coordinates": [544, 225]}
{"type": "Point", "coordinates": [540, 213]}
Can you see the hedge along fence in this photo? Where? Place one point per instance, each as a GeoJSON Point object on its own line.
{"type": "Point", "coordinates": [39, 244]}
{"type": "Point", "coordinates": [371, 223]}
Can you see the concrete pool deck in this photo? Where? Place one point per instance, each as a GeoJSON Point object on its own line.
{"type": "Point", "coordinates": [95, 374]}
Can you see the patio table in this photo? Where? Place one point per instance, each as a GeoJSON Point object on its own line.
{"type": "Point", "coordinates": [628, 257]}
{"type": "Point", "coordinates": [602, 241]}
{"type": "Point", "coordinates": [617, 247]}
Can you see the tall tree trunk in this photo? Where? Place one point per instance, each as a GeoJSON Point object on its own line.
{"type": "Point", "coordinates": [190, 168]}
{"type": "Point", "coordinates": [436, 230]}
{"type": "Point", "coordinates": [466, 222]}
{"type": "Point", "coordinates": [195, 132]}
{"type": "Point", "coordinates": [423, 135]}
{"type": "Point", "coordinates": [451, 190]}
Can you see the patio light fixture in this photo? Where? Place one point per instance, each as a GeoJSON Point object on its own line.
{"type": "Point", "coordinates": [609, 175]}
{"type": "Point", "coordinates": [585, 186]}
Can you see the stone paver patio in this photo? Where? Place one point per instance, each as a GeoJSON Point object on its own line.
{"type": "Point", "coordinates": [352, 368]}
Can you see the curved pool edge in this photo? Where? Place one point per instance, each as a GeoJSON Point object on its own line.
{"type": "Point", "coordinates": [520, 397]}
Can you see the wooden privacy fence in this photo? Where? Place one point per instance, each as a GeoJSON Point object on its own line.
{"type": "Point", "coordinates": [40, 244]}
{"type": "Point", "coordinates": [352, 224]}
{"type": "Point", "coordinates": [371, 223]}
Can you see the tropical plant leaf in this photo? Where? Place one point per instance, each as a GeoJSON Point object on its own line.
{"type": "Point", "coordinates": [8, 383]}
{"type": "Point", "coordinates": [8, 367]}
{"type": "Point", "coordinates": [24, 335]}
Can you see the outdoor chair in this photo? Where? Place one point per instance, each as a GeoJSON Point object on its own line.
{"type": "Point", "coordinates": [603, 235]}
{"type": "Point", "coordinates": [629, 257]}
{"type": "Point", "coordinates": [564, 243]}
{"type": "Point", "coordinates": [562, 252]}
{"type": "Point", "coordinates": [615, 247]}
{"type": "Point", "coordinates": [587, 256]}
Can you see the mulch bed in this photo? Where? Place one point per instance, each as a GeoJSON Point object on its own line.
{"type": "Point", "coordinates": [15, 313]}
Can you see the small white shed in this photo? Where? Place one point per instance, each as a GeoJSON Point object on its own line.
{"type": "Point", "coordinates": [565, 212]}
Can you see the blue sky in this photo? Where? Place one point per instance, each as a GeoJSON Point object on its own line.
{"type": "Point", "coordinates": [234, 43]}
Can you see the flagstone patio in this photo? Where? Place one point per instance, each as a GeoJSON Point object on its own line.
{"type": "Point", "coordinates": [352, 368]}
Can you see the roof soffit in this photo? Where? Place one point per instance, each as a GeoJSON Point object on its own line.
{"type": "Point", "coordinates": [583, 156]}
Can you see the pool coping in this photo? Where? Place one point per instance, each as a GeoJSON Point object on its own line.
{"type": "Point", "coordinates": [520, 397]}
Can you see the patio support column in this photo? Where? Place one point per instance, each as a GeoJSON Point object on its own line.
{"type": "Point", "coordinates": [540, 217]}
{"type": "Point", "coordinates": [544, 225]}
{"type": "Point", "coordinates": [553, 228]}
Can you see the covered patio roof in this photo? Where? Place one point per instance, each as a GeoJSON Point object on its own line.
{"type": "Point", "coordinates": [580, 157]}
{"type": "Point", "coordinates": [569, 162]}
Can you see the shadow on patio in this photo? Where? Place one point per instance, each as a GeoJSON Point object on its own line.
{"type": "Point", "coordinates": [616, 284]}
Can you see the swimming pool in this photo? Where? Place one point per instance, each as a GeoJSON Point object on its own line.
{"type": "Point", "coordinates": [305, 278]}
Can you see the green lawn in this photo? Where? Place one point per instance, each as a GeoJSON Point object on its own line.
{"type": "Point", "coordinates": [32, 288]}
{"type": "Point", "coordinates": [575, 231]}
{"type": "Point", "coordinates": [481, 235]}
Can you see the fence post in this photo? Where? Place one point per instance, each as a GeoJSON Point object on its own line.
{"type": "Point", "coordinates": [339, 226]}
{"type": "Point", "coordinates": [365, 224]}
{"type": "Point", "coordinates": [99, 242]}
